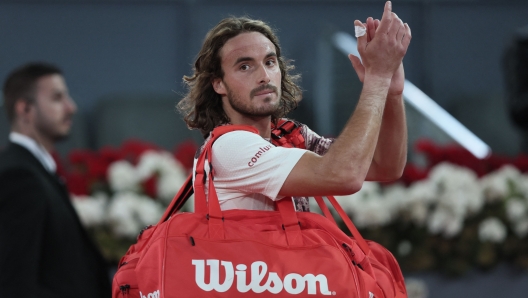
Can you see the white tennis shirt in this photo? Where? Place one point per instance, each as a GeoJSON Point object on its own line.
{"type": "Point", "coordinates": [250, 171]}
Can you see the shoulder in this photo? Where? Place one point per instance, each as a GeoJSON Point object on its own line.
{"type": "Point", "coordinates": [16, 158]}
{"type": "Point", "coordinates": [238, 138]}
{"type": "Point", "coordinates": [21, 185]}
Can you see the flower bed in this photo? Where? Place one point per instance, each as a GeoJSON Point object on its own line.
{"type": "Point", "coordinates": [453, 214]}
{"type": "Point", "coordinates": [119, 191]}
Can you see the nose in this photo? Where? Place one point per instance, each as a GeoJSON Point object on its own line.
{"type": "Point", "coordinates": [263, 75]}
{"type": "Point", "coordinates": [70, 104]}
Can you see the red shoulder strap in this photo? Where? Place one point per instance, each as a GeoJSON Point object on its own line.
{"type": "Point", "coordinates": [200, 202]}
{"type": "Point", "coordinates": [187, 189]}
{"type": "Point", "coordinates": [287, 133]}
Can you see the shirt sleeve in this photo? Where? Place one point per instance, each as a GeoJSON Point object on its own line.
{"type": "Point", "coordinates": [246, 162]}
{"type": "Point", "coordinates": [315, 142]}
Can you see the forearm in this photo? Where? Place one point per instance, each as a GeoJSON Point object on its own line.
{"type": "Point", "coordinates": [353, 151]}
{"type": "Point", "coordinates": [390, 155]}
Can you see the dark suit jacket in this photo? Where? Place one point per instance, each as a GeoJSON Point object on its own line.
{"type": "Point", "coordinates": [44, 250]}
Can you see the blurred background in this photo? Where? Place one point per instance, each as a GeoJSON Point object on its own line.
{"type": "Point", "coordinates": [124, 60]}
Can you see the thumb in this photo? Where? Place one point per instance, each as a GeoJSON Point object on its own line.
{"type": "Point", "coordinates": [358, 67]}
{"type": "Point", "coordinates": [361, 35]}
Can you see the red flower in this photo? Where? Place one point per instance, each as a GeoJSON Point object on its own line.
{"type": "Point", "coordinates": [521, 163]}
{"type": "Point", "coordinates": [184, 153]}
{"type": "Point", "coordinates": [150, 186]}
{"type": "Point", "coordinates": [412, 173]}
{"type": "Point", "coordinates": [77, 184]}
{"type": "Point", "coordinates": [132, 149]}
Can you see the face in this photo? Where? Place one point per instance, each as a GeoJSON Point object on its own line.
{"type": "Point", "coordinates": [53, 108]}
{"type": "Point", "coordinates": [252, 78]}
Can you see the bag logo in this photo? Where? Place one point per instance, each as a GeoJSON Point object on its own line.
{"type": "Point", "coordinates": [154, 294]}
{"type": "Point", "coordinates": [292, 283]}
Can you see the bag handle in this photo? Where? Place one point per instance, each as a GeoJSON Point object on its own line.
{"type": "Point", "coordinates": [344, 217]}
{"type": "Point", "coordinates": [213, 211]}
{"type": "Point", "coordinates": [179, 199]}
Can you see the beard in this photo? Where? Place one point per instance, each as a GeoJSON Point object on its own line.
{"type": "Point", "coordinates": [247, 109]}
{"type": "Point", "coordinates": [52, 130]}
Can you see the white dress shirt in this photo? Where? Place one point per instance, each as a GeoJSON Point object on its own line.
{"type": "Point", "coordinates": [36, 149]}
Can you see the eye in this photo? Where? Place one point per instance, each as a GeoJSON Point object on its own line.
{"type": "Point", "coordinates": [244, 67]}
{"type": "Point", "coordinates": [271, 62]}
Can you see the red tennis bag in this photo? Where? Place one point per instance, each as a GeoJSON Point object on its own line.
{"type": "Point", "coordinates": [247, 253]}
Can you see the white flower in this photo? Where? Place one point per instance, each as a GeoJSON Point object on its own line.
{"type": "Point", "coordinates": [158, 162]}
{"type": "Point", "coordinates": [189, 205]}
{"type": "Point", "coordinates": [515, 209]}
{"type": "Point", "coordinates": [368, 206]}
{"type": "Point", "coordinates": [521, 227]}
{"type": "Point", "coordinates": [372, 212]}
{"type": "Point", "coordinates": [443, 221]}
{"type": "Point", "coordinates": [418, 212]}
{"type": "Point", "coordinates": [129, 213]}
{"type": "Point", "coordinates": [496, 184]}
{"type": "Point", "coordinates": [149, 163]}
{"type": "Point", "coordinates": [169, 185]}
{"type": "Point", "coordinates": [420, 196]}
{"type": "Point", "coordinates": [122, 176]}
{"type": "Point", "coordinates": [149, 212]}
{"type": "Point", "coordinates": [522, 186]}
{"type": "Point", "coordinates": [171, 173]}
{"type": "Point", "coordinates": [91, 210]}
{"type": "Point", "coordinates": [492, 230]}
{"type": "Point", "coordinates": [396, 197]}
{"type": "Point", "coordinates": [368, 189]}
{"type": "Point", "coordinates": [423, 191]}
{"type": "Point", "coordinates": [348, 203]}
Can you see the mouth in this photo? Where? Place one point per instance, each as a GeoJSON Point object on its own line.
{"type": "Point", "coordinates": [264, 92]}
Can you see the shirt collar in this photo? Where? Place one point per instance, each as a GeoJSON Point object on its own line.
{"type": "Point", "coordinates": [36, 149]}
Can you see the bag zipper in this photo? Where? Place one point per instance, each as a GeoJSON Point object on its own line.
{"type": "Point", "coordinates": [350, 255]}
{"type": "Point", "coordinates": [387, 272]}
{"type": "Point", "coordinates": [125, 289]}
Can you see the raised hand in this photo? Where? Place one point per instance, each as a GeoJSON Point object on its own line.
{"type": "Point", "coordinates": [390, 46]}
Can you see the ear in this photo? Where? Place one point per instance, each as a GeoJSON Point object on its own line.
{"type": "Point", "coordinates": [22, 108]}
{"type": "Point", "coordinates": [218, 86]}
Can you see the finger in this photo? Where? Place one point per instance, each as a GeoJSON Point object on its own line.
{"type": "Point", "coordinates": [358, 66]}
{"type": "Point", "coordinates": [376, 23]}
{"type": "Point", "coordinates": [401, 31]}
{"type": "Point", "coordinates": [386, 19]}
{"type": "Point", "coordinates": [361, 38]}
{"type": "Point", "coordinates": [371, 29]}
{"type": "Point", "coordinates": [407, 37]}
{"type": "Point", "coordinates": [395, 26]}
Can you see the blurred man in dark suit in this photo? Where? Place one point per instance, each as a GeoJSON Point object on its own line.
{"type": "Point", "coordinates": [44, 250]}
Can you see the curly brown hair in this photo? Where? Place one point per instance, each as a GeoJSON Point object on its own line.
{"type": "Point", "coordinates": [202, 106]}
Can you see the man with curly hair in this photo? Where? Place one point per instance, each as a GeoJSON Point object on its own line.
{"type": "Point", "coordinates": [240, 77]}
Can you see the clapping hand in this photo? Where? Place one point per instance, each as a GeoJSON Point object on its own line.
{"type": "Point", "coordinates": [382, 49]}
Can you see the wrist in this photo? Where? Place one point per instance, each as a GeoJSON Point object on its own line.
{"type": "Point", "coordinates": [377, 81]}
{"type": "Point", "coordinates": [394, 96]}
{"type": "Point", "coordinates": [378, 75]}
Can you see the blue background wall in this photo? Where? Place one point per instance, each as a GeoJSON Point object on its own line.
{"type": "Point", "coordinates": [145, 47]}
